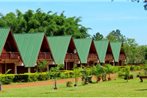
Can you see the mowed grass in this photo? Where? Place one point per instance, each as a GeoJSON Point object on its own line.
{"type": "Point", "coordinates": [114, 88]}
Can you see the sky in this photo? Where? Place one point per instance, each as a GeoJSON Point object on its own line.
{"type": "Point", "coordinates": [100, 15]}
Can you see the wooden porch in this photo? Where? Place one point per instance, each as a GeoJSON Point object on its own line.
{"type": "Point", "coordinates": [109, 58]}
{"type": "Point", "coordinates": [72, 57]}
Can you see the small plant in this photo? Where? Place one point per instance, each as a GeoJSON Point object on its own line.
{"type": "Point", "coordinates": [55, 71]}
{"type": "Point", "coordinates": [41, 65]}
{"type": "Point", "coordinates": [98, 70]}
{"type": "Point", "coordinates": [109, 69]}
{"type": "Point", "coordinates": [77, 73]}
{"type": "Point", "coordinates": [69, 84]}
{"type": "Point", "coordinates": [127, 73]}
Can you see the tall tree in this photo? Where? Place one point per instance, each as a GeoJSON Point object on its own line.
{"type": "Point", "coordinates": [98, 36]}
{"type": "Point", "coordinates": [116, 35]}
{"type": "Point", "coordinates": [38, 21]}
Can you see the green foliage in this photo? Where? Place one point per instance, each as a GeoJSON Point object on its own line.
{"type": "Point", "coordinates": [21, 78]}
{"type": "Point", "coordinates": [98, 70]}
{"type": "Point", "coordinates": [55, 71]}
{"type": "Point", "coordinates": [76, 71]}
{"type": "Point", "coordinates": [6, 78]}
{"type": "Point", "coordinates": [109, 68]}
{"type": "Point", "coordinates": [145, 69]}
{"type": "Point", "coordinates": [43, 76]}
{"type": "Point", "coordinates": [42, 65]}
{"type": "Point", "coordinates": [30, 77]}
{"type": "Point", "coordinates": [98, 36]}
{"type": "Point", "coordinates": [116, 35]}
{"type": "Point", "coordinates": [69, 84]}
{"type": "Point", "coordinates": [52, 24]}
{"type": "Point", "coordinates": [66, 74]}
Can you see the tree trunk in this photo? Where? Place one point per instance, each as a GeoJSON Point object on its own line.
{"type": "Point", "coordinates": [55, 84]}
{"type": "Point", "coordinates": [76, 81]}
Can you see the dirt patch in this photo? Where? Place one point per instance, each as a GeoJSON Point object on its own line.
{"type": "Point", "coordinates": [48, 82]}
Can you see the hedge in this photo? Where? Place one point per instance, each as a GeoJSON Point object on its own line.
{"type": "Point", "coordinates": [6, 78]}
{"type": "Point", "coordinates": [27, 77]}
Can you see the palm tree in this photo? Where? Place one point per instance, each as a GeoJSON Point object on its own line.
{"type": "Point", "coordinates": [98, 70]}
{"type": "Point", "coordinates": [55, 71]}
{"type": "Point", "coordinates": [109, 70]}
{"type": "Point", "coordinates": [76, 72]}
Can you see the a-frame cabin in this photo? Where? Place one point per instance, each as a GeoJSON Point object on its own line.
{"type": "Point", "coordinates": [34, 48]}
{"type": "Point", "coordinates": [118, 52]}
{"type": "Point", "coordinates": [87, 51]}
{"type": "Point", "coordinates": [9, 54]}
{"type": "Point", "coordinates": [104, 51]}
{"type": "Point", "coordinates": [64, 51]}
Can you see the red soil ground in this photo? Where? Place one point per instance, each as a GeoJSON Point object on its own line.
{"type": "Point", "coordinates": [44, 83]}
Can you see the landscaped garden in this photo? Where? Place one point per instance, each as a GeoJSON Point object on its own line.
{"type": "Point", "coordinates": [120, 82]}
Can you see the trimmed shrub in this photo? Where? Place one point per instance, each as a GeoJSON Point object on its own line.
{"type": "Point", "coordinates": [66, 74]}
{"type": "Point", "coordinates": [21, 78]}
{"type": "Point", "coordinates": [69, 84]}
{"type": "Point", "coordinates": [32, 77]}
{"type": "Point", "coordinates": [43, 76]}
{"type": "Point", "coordinates": [6, 78]}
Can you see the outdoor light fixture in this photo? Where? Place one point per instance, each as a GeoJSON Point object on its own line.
{"type": "Point", "coordinates": [22, 64]}
{"type": "Point", "coordinates": [75, 51]}
{"type": "Point", "coordinates": [98, 61]}
{"type": "Point", "coordinates": [78, 62]}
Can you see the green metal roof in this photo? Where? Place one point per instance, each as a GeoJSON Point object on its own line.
{"type": "Point", "coordinates": [29, 46]}
{"type": "Point", "coordinates": [116, 47]}
{"type": "Point", "coordinates": [101, 48]}
{"type": "Point", "coordinates": [83, 48]}
{"type": "Point", "coordinates": [59, 46]}
{"type": "Point", "coordinates": [4, 32]}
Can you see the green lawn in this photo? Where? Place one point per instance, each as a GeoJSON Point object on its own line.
{"type": "Point", "coordinates": [117, 88]}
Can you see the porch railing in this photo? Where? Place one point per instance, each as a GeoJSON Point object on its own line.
{"type": "Point", "coordinates": [10, 55]}
{"type": "Point", "coordinates": [122, 57]}
{"type": "Point", "coordinates": [109, 57]}
{"type": "Point", "coordinates": [92, 57]}
{"type": "Point", "coordinates": [71, 57]}
{"type": "Point", "coordinates": [44, 55]}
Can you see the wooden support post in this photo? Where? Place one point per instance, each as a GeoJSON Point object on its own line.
{"type": "Point", "coordinates": [47, 67]}
{"type": "Point", "coordinates": [66, 65]}
{"type": "Point", "coordinates": [15, 69]}
{"type": "Point", "coordinates": [5, 67]}
{"type": "Point", "coordinates": [29, 70]}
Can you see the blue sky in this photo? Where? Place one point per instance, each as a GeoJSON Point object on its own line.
{"type": "Point", "coordinates": [101, 15]}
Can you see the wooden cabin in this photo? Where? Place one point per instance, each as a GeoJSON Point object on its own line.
{"type": "Point", "coordinates": [118, 52]}
{"type": "Point", "coordinates": [109, 59]}
{"type": "Point", "coordinates": [87, 52]}
{"type": "Point", "coordinates": [104, 51]}
{"type": "Point", "coordinates": [64, 51]}
{"type": "Point", "coordinates": [9, 55]}
{"type": "Point", "coordinates": [34, 49]}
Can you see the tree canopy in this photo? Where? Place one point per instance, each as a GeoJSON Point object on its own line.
{"type": "Point", "coordinates": [38, 21]}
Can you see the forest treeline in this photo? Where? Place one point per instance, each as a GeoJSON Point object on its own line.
{"type": "Point", "coordinates": [54, 24]}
